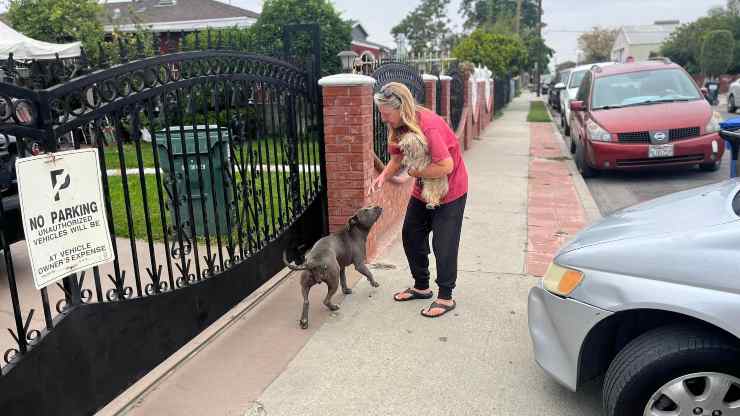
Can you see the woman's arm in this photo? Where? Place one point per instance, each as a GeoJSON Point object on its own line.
{"type": "Point", "coordinates": [435, 170]}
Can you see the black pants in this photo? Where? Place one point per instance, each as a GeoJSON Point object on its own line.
{"type": "Point", "coordinates": [445, 224]}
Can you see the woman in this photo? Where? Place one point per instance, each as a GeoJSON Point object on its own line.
{"type": "Point", "coordinates": [399, 111]}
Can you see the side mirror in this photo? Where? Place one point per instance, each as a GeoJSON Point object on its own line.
{"type": "Point", "coordinates": [704, 91]}
{"type": "Point", "coordinates": [577, 106]}
{"type": "Point", "coordinates": [560, 86]}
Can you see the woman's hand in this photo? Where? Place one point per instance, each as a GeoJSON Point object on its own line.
{"type": "Point", "coordinates": [377, 184]}
{"type": "Point", "coordinates": [413, 172]}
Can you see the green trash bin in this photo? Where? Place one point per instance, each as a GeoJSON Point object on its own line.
{"type": "Point", "coordinates": [202, 192]}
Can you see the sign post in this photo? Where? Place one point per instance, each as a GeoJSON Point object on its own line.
{"type": "Point", "coordinates": [63, 211]}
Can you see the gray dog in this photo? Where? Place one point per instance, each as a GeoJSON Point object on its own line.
{"type": "Point", "coordinates": [325, 262]}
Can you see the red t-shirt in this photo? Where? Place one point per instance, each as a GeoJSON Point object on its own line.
{"type": "Point", "coordinates": [442, 144]}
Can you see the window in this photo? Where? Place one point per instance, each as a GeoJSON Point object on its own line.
{"type": "Point", "coordinates": [644, 87]}
{"type": "Point", "coordinates": [576, 78]}
{"type": "Point", "coordinates": [584, 88]}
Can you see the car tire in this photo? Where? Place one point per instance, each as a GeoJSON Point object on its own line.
{"type": "Point", "coordinates": [583, 167]}
{"type": "Point", "coordinates": [661, 356]}
{"type": "Point", "coordinates": [731, 108]}
{"type": "Point", "coordinates": [711, 167]}
{"type": "Point", "coordinates": [572, 146]}
{"type": "Point", "coordinates": [566, 127]}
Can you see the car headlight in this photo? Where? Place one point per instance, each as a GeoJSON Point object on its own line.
{"type": "Point", "coordinates": [560, 280]}
{"type": "Point", "coordinates": [595, 132]}
{"type": "Point", "coordinates": [713, 125]}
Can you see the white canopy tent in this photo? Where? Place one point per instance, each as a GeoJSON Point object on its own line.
{"type": "Point", "coordinates": [25, 48]}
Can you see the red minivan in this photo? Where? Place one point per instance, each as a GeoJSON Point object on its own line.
{"type": "Point", "coordinates": [637, 115]}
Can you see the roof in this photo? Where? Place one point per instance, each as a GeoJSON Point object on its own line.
{"type": "Point", "coordinates": [174, 15]}
{"type": "Point", "coordinates": [589, 66]}
{"type": "Point", "coordinates": [367, 43]}
{"type": "Point", "coordinates": [634, 67]}
{"type": "Point", "coordinates": [359, 38]}
{"type": "Point", "coordinates": [648, 34]}
{"type": "Point", "coordinates": [359, 33]}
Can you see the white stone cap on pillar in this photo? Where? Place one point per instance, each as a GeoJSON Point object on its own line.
{"type": "Point", "coordinates": [342, 80]}
{"type": "Point", "coordinates": [445, 78]}
{"type": "Point", "coordinates": [429, 77]}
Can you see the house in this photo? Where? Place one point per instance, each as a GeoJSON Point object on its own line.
{"type": "Point", "coordinates": [639, 42]}
{"type": "Point", "coordinates": [169, 18]}
{"type": "Point", "coordinates": [368, 51]}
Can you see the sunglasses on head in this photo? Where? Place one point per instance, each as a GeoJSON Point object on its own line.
{"type": "Point", "coordinates": [387, 93]}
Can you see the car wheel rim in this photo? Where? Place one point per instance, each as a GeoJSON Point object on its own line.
{"type": "Point", "coordinates": [713, 394]}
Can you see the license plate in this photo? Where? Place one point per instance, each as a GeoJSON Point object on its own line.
{"type": "Point", "coordinates": [660, 150]}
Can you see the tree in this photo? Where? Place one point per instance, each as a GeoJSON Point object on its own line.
{"type": "Point", "coordinates": [336, 33]}
{"type": "Point", "coordinates": [502, 54]}
{"type": "Point", "coordinates": [597, 44]}
{"type": "Point", "coordinates": [684, 45]}
{"type": "Point", "coordinates": [565, 65]}
{"type": "Point", "coordinates": [479, 13]}
{"type": "Point", "coordinates": [58, 21]}
{"type": "Point", "coordinates": [537, 52]}
{"type": "Point", "coordinates": [716, 52]}
{"type": "Point", "coordinates": [427, 27]}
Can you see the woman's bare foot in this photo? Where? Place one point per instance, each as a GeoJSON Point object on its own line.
{"type": "Point", "coordinates": [413, 293]}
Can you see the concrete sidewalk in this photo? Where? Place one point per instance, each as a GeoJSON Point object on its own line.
{"type": "Point", "coordinates": [379, 357]}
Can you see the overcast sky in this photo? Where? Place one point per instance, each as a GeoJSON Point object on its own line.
{"type": "Point", "coordinates": [564, 18]}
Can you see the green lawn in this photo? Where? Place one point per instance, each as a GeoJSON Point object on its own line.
{"type": "Point", "coordinates": [269, 149]}
{"type": "Point", "coordinates": [538, 112]}
{"type": "Point", "coordinates": [263, 222]}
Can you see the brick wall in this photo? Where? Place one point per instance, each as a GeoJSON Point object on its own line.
{"type": "Point", "coordinates": [430, 92]}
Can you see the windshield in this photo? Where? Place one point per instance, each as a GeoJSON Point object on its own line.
{"type": "Point", "coordinates": [576, 78]}
{"type": "Point", "coordinates": [563, 76]}
{"type": "Point", "coordinates": [644, 87]}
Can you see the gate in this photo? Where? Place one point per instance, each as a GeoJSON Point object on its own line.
{"type": "Point", "coordinates": [457, 96]}
{"type": "Point", "coordinates": [394, 72]}
{"type": "Point", "coordinates": [212, 164]}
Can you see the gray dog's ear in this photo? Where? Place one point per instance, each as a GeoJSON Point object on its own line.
{"type": "Point", "coordinates": [353, 220]}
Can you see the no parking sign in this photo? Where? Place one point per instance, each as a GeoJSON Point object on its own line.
{"type": "Point", "coordinates": [63, 211]}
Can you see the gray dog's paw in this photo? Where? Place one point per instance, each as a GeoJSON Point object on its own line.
{"type": "Point", "coordinates": [304, 323]}
{"type": "Point", "coordinates": [375, 284]}
{"type": "Point", "coordinates": [332, 307]}
{"type": "Point", "coordinates": [347, 291]}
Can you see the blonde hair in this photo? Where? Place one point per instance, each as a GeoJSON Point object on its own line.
{"type": "Point", "coordinates": [399, 97]}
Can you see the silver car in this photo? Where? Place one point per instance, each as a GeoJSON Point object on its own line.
{"type": "Point", "coordinates": [649, 298]}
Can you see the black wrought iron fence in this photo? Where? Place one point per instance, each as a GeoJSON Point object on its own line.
{"type": "Point", "coordinates": [394, 72]}
{"type": "Point", "coordinates": [212, 166]}
{"type": "Point", "coordinates": [502, 93]}
{"type": "Point", "coordinates": [457, 96]}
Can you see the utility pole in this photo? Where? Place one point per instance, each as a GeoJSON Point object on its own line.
{"type": "Point", "coordinates": [518, 20]}
{"type": "Point", "coordinates": [539, 29]}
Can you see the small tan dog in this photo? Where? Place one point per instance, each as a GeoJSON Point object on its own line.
{"type": "Point", "coordinates": [416, 156]}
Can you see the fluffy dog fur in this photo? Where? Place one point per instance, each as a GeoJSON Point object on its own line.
{"type": "Point", "coordinates": [416, 156]}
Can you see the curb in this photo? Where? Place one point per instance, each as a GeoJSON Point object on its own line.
{"type": "Point", "coordinates": [130, 397]}
{"type": "Point", "coordinates": [588, 202]}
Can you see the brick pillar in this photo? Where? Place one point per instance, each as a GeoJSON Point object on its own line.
{"type": "Point", "coordinates": [445, 102]}
{"type": "Point", "coordinates": [348, 134]}
{"type": "Point", "coordinates": [430, 89]}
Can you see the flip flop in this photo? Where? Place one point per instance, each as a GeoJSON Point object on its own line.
{"type": "Point", "coordinates": [446, 309]}
{"type": "Point", "coordinates": [414, 295]}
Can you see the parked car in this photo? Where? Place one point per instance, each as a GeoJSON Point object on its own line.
{"type": "Point", "coordinates": [558, 85]}
{"type": "Point", "coordinates": [732, 96]}
{"type": "Point", "coordinates": [643, 114]}
{"type": "Point", "coordinates": [545, 83]}
{"type": "Point", "coordinates": [649, 298]}
{"type": "Point", "coordinates": [571, 90]}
